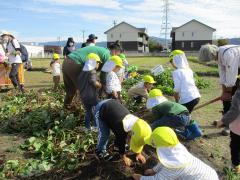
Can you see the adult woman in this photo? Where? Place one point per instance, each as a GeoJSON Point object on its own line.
{"type": "Point", "coordinates": [12, 51]}
{"type": "Point", "coordinates": [70, 47]}
{"type": "Point", "coordinates": [72, 66]}
{"type": "Point", "coordinates": [228, 58]}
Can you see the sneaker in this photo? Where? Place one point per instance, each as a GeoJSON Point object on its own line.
{"type": "Point", "coordinates": [116, 149]}
{"type": "Point", "coordinates": [225, 131]}
{"type": "Point", "coordinates": [237, 169]}
{"type": "Point", "coordinates": [104, 155]}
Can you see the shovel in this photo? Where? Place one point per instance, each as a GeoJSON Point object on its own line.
{"type": "Point", "coordinates": [207, 103]}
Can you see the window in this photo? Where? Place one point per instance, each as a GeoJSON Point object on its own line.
{"type": "Point", "coordinates": [111, 35]}
{"type": "Point", "coordinates": [182, 44]}
{"type": "Point", "coordinates": [192, 44]}
{"type": "Point", "coordinates": [192, 34]}
{"type": "Point", "coordinates": [183, 34]}
{"type": "Point", "coordinates": [120, 35]}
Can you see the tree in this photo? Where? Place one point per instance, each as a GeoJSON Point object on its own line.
{"type": "Point", "coordinates": [222, 42]}
{"type": "Point", "coordinates": [155, 46]}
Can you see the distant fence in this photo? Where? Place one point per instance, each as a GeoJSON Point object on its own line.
{"type": "Point", "coordinates": [161, 54]}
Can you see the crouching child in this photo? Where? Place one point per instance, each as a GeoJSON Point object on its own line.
{"type": "Point", "coordinates": [171, 114]}
{"type": "Point", "coordinates": [175, 162]}
{"type": "Point", "coordinates": [140, 91]}
{"type": "Point", "coordinates": [111, 115]}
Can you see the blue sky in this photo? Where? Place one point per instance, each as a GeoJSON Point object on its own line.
{"type": "Point", "coordinates": [45, 20]}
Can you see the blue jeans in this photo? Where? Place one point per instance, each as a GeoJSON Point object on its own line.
{"type": "Point", "coordinates": [103, 129]}
{"type": "Point", "coordinates": [173, 121]}
{"type": "Point", "coordinates": [89, 109]}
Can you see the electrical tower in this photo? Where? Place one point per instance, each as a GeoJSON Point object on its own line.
{"type": "Point", "coordinates": [165, 27]}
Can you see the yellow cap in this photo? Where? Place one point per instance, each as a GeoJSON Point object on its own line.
{"type": "Point", "coordinates": [56, 56]}
{"type": "Point", "coordinates": [175, 52]}
{"type": "Point", "coordinates": [94, 56]}
{"type": "Point", "coordinates": [162, 137]}
{"type": "Point", "coordinates": [149, 79]}
{"type": "Point", "coordinates": [140, 131]}
{"type": "Point", "coordinates": [155, 93]}
{"type": "Point", "coordinates": [117, 60]}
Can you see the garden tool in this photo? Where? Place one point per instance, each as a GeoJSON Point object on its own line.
{"type": "Point", "coordinates": [207, 103]}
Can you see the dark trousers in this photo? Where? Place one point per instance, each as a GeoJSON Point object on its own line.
{"type": "Point", "coordinates": [235, 148]}
{"type": "Point", "coordinates": [56, 81]}
{"type": "Point", "coordinates": [13, 75]}
{"type": "Point", "coordinates": [71, 71]}
{"type": "Point", "coordinates": [190, 105]}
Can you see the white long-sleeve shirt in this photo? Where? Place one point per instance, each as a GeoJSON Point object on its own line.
{"type": "Point", "coordinates": [113, 83]}
{"type": "Point", "coordinates": [10, 48]}
{"type": "Point", "coordinates": [228, 64]}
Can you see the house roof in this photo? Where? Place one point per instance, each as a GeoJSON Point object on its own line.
{"type": "Point", "coordinates": [193, 20]}
{"type": "Point", "coordinates": [143, 30]}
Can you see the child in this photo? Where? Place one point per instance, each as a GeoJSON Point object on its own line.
{"type": "Point", "coordinates": [232, 119]}
{"type": "Point", "coordinates": [56, 70]}
{"type": "Point", "coordinates": [88, 85]}
{"type": "Point", "coordinates": [122, 73]}
{"type": "Point", "coordinates": [113, 84]}
{"type": "Point", "coordinates": [140, 91]}
{"type": "Point", "coordinates": [175, 162]}
{"type": "Point", "coordinates": [186, 92]}
{"type": "Point", "coordinates": [110, 114]}
{"type": "Point", "coordinates": [171, 114]}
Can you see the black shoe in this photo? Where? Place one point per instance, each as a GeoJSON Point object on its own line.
{"type": "Point", "coordinates": [104, 155]}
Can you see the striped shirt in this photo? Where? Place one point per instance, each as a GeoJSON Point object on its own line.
{"type": "Point", "coordinates": [197, 170]}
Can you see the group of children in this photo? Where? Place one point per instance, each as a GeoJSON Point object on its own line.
{"type": "Point", "coordinates": [170, 118]}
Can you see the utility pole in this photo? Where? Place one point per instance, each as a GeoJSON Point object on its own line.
{"type": "Point", "coordinates": [83, 31]}
{"type": "Point", "coordinates": [165, 27]}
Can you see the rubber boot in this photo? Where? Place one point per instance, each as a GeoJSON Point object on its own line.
{"type": "Point", "coordinates": [193, 131]}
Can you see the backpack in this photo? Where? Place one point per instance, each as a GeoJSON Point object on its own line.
{"type": "Point", "coordinates": [23, 51]}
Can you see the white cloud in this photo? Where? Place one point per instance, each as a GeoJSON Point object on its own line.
{"type": "Point", "coordinates": [113, 4]}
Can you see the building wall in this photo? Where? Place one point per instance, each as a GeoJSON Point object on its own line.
{"type": "Point", "coordinates": [35, 51]}
{"type": "Point", "coordinates": [123, 32]}
{"type": "Point", "coordinates": [193, 31]}
{"type": "Point", "coordinates": [128, 45]}
{"type": "Point", "coordinates": [190, 45]}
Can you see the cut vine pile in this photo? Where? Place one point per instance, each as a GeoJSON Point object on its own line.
{"type": "Point", "coordinates": [56, 145]}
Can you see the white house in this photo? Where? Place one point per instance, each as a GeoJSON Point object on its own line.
{"type": "Point", "coordinates": [191, 35]}
{"type": "Point", "coordinates": [34, 51]}
{"type": "Point", "coordinates": [132, 39]}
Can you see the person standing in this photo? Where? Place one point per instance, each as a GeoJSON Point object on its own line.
{"type": "Point", "coordinates": [13, 53]}
{"type": "Point", "coordinates": [70, 47]}
{"type": "Point", "coordinates": [91, 41]}
{"type": "Point", "coordinates": [228, 58]}
{"type": "Point", "coordinates": [56, 70]}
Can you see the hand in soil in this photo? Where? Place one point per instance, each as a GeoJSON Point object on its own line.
{"type": "Point", "coordinates": [219, 124]}
{"type": "Point", "coordinates": [127, 161]}
{"type": "Point", "coordinates": [140, 158]}
{"type": "Point", "coordinates": [137, 176]}
{"type": "Point", "coordinates": [149, 172]}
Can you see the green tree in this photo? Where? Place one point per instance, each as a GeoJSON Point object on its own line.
{"type": "Point", "coordinates": [222, 42]}
{"type": "Point", "coordinates": [155, 46]}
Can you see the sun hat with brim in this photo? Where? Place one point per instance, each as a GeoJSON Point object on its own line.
{"type": "Point", "coordinates": [93, 56]}
{"type": "Point", "coordinates": [108, 66]}
{"type": "Point", "coordinates": [175, 52]}
{"type": "Point", "coordinates": [6, 33]}
{"type": "Point", "coordinates": [148, 79]}
{"type": "Point", "coordinates": [117, 60]}
{"type": "Point", "coordinates": [171, 153]}
{"type": "Point", "coordinates": [91, 63]}
{"type": "Point", "coordinates": [140, 131]}
{"type": "Point", "coordinates": [180, 61]}
{"type": "Point", "coordinates": [155, 98]}
{"type": "Point", "coordinates": [56, 56]}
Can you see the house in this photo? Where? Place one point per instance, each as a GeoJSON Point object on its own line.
{"type": "Point", "coordinates": [132, 39]}
{"type": "Point", "coordinates": [34, 51]}
{"type": "Point", "coordinates": [191, 35]}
